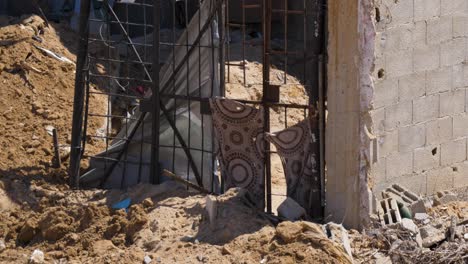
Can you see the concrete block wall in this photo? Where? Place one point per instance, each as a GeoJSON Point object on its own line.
{"type": "Point", "coordinates": [420, 105]}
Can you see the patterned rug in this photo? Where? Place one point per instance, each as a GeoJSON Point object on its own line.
{"type": "Point", "coordinates": [239, 132]}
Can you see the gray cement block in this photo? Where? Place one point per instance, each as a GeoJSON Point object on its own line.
{"type": "Point", "coordinates": [426, 108]}
{"type": "Point", "coordinates": [426, 158]}
{"type": "Point", "coordinates": [411, 137]}
{"type": "Point", "coordinates": [439, 130]}
{"type": "Point", "coordinates": [426, 9]}
{"type": "Point", "coordinates": [452, 103]}
{"type": "Point", "coordinates": [453, 152]}
{"type": "Point", "coordinates": [452, 52]}
{"type": "Point", "coordinates": [398, 115]}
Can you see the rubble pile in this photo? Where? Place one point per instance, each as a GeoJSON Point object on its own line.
{"type": "Point", "coordinates": [435, 232]}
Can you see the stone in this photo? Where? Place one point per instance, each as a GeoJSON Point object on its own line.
{"type": "Point", "coordinates": [2, 245]}
{"type": "Point", "coordinates": [148, 202]}
{"type": "Point", "coordinates": [288, 231]}
{"type": "Point", "coordinates": [421, 217]}
{"type": "Point", "coordinates": [291, 210]}
{"type": "Point", "coordinates": [465, 236]}
{"type": "Point", "coordinates": [147, 260]}
{"type": "Point", "coordinates": [408, 224]}
{"type": "Point", "coordinates": [37, 257]}
{"type": "Point", "coordinates": [226, 251]}
{"type": "Point", "coordinates": [431, 235]}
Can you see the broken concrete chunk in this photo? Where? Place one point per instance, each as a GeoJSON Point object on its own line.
{"type": "Point", "coordinates": [431, 235]}
{"type": "Point", "coordinates": [421, 217]}
{"type": "Point", "coordinates": [444, 197]}
{"type": "Point", "coordinates": [408, 224]}
{"type": "Point", "coordinates": [291, 210]}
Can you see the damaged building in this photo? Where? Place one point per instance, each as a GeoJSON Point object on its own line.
{"type": "Point", "coordinates": [383, 98]}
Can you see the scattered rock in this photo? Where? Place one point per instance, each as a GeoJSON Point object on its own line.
{"type": "Point", "coordinates": [431, 235]}
{"type": "Point", "coordinates": [226, 251]}
{"type": "Point", "coordinates": [148, 203]}
{"type": "Point", "coordinates": [37, 257]}
{"type": "Point", "coordinates": [291, 210]}
{"type": "Point", "coordinates": [147, 259]}
{"type": "Point", "coordinates": [2, 245]}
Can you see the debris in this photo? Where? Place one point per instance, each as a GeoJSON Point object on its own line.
{"type": "Point", "coordinates": [226, 251]}
{"type": "Point", "coordinates": [414, 202]}
{"type": "Point", "coordinates": [339, 234]}
{"type": "Point", "coordinates": [444, 197]}
{"type": "Point", "coordinates": [2, 245]}
{"type": "Point", "coordinates": [408, 224]}
{"type": "Point", "coordinates": [54, 55]}
{"type": "Point", "coordinates": [147, 259]}
{"type": "Point", "coordinates": [388, 211]}
{"type": "Point", "coordinates": [291, 210]}
{"type": "Point", "coordinates": [288, 231]}
{"type": "Point", "coordinates": [211, 208]}
{"type": "Point", "coordinates": [431, 235]}
{"type": "Point", "coordinates": [124, 204]}
{"type": "Point", "coordinates": [37, 257]}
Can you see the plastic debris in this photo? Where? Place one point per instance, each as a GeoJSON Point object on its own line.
{"type": "Point", "coordinates": [124, 204]}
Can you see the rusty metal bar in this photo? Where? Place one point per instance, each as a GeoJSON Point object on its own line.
{"type": "Point", "coordinates": [266, 85]}
{"type": "Point", "coordinates": [57, 160]}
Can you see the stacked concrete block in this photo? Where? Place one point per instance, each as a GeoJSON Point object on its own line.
{"type": "Point", "coordinates": [420, 113]}
{"type": "Point", "coordinates": [388, 212]}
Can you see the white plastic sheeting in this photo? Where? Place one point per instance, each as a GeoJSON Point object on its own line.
{"type": "Point", "coordinates": [200, 78]}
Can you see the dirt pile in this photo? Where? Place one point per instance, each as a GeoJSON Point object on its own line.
{"type": "Point", "coordinates": [37, 93]}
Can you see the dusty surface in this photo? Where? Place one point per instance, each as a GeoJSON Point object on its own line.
{"type": "Point", "coordinates": [36, 95]}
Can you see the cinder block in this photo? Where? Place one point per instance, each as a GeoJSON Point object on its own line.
{"type": "Point", "coordinates": [411, 137]}
{"type": "Point", "coordinates": [460, 177]}
{"type": "Point", "coordinates": [415, 182]}
{"type": "Point", "coordinates": [398, 115]}
{"type": "Point", "coordinates": [460, 26]}
{"type": "Point", "coordinates": [420, 34]}
{"type": "Point", "coordinates": [399, 38]}
{"type": "Point", "coordinates": [426, 9]}
{"type": "Point", "coordinates": [399, 164]}
{"type": "Point", "coordinates": [449, 7]}
{"type": "Point", "coordinates": [399, 63]}
{"type": "Point", "coordinates": [452, 103]}
{"type": "Point", "coordinates": [426, 58]}
{"type": "Point", "coordinates": [388, 143]}
{"type": "Point", "coordinates": [439, 130]}
{"type": "Point", "coordinates": [439, 30]}
{"type": "Point", "coordinates": [385, 92]}
{"type": "Point", "coordinates": [378, 170]}
{"type": "Point", "coordinates": [439, 179]}
{"type": "Point", "coordinates": [439, 80]}
{"type": "Point", "coordinates": [401, 12]}
{"type": "Point", "coordinates": [452, 52]}
{"type": "Point", "coordinates": [426, 158]}
{"type": "Point", "coordinates": [388, 212]}
{"type": "Point", "coordinates": [412, 86]}
{"type": "Point", "coordinates": [453, 152]}
{"type": "Point", "coordinates": [378, 121]}
{"type": "Point", "coordinates": [426, 108]}
{"type": "Point", "coordinates": [458, 74]}
{"type": "Point", "coordinates": [460, 126]}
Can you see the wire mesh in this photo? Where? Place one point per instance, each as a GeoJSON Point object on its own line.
{"type": "Point", "coordinates": [141, 59]}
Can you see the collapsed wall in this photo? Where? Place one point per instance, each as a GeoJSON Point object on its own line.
{"type": "Point", "coordinates": [420, 105]}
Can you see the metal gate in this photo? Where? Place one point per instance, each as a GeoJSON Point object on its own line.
{"type": "Point", "coordinates": [143, 84]}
